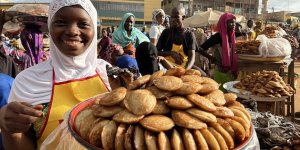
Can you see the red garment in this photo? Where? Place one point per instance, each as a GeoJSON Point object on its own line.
{"type": "Point", "coordinates": [104, 43]}
{"type": "Point", "coordinates": [222, 29]}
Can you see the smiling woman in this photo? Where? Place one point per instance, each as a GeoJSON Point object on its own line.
{"type": "Point", "coordinates": [43, 93]}
{"type": "Point", "coordinates": [72, 30]}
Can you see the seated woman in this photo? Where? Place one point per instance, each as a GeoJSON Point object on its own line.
{"type": "Point", "coordinates": [148, 59]}
{"type": "Point", "coordinates": [128, 36]}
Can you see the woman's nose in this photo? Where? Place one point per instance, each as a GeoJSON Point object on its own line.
{"type": "Point", "coordinates": [73, 30]}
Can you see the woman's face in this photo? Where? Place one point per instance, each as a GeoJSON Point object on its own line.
{"type": "Point", "coordinates": [72, 30]}
{"type": "Point", "coordinates": [129, 23]}
{"type": "Point", "coordinates": [104, 33]}
{"type": "Point", "coordinates": [160, 18]}
{"type": "Point", "coordinates": [231, 25]}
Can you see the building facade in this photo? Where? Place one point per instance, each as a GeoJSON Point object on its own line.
{"type": "Point", "coordinates": [110, 12]}
{"type": "Point", "coordinates": [247, 8]}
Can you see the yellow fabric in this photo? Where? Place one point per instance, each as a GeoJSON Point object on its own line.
{"type": "Point", "coordinates": [178, 49]}
{"type": "Point", "coordinates": [67, 95]}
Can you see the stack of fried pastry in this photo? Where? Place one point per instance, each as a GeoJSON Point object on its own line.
{"type": "Point", "coordinates": [270, 31]}
{"type": "Point", "coordinates": [248, 47]}
{"type": "Point", "coordinates": [178, 109]}
{"type": "Point", "coordinates": [265, 84]}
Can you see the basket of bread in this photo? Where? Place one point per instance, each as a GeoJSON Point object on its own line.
{"type": "Point", "coordinates": [265, 84]}
{"type": "Point", "coordinates": [178, 109]}
{"type": "Point", "coordinates": [248, 47]}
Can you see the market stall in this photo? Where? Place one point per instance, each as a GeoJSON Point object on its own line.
{"type": "Point", "coordinates": [273, 50]}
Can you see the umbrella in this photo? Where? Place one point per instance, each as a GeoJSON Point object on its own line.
{"type": "Point", "coordinates": [207, 18]}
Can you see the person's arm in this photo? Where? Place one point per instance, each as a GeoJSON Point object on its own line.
{"type": "Point", "coordinates": [153, 41]}
{"type": "Point", "coordinates": [16, 119]}
{"type": "Point", "coordinates": [161, 46]}
{"type": "Point", "coordinates": [16, 141]}
{"type": "Point", "coordinates": [165, 62]}
{"type": "Point", "coordinates": [176, 56]}
{"type": "Point", "coordinates": [153, 34]}
{"type": "Point", "coordinates": [191, 45]}
{"type": "Point", "coordinates": [191, 59]}
{"type": "Point", "coordinates": [161, 43]}
{"type": "Point", "coordinates": [212, 41]}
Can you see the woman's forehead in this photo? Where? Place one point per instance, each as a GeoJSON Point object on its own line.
{"type": "Point", "coordinates": [71, 12]}
{"type": "Point", "coordinates": [130, 18]}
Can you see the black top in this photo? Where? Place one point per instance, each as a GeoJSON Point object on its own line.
{"type": "Point", "coordinates": [212, 41]}
{"type": "Point", "coordinates": [185, 37]}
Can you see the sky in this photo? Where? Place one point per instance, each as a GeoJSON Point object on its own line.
{"type": "Point", "coordinates": [280, 5]}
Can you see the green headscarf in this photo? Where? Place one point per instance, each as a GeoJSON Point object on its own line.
{"type": "Point", "coordinates": [120, 35]}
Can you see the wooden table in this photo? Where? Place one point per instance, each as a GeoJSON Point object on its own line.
{"type": "Point", "coordinates": [279, 66]}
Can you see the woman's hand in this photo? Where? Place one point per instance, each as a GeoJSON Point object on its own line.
{"type": "Point", "coordinates": [177, 57]}
{"type": "Point", "coordinates": [17, 117]}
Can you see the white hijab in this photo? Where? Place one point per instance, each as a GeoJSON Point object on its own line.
{"type": "Point", "coordinates": [34, 85]}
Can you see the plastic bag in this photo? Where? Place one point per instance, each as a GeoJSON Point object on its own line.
{"type": "Point", "coordinates": [61, 138]}
{"type": "Point", "coordinates": [280, 32]}
{"type": "Point", "coordinates": [274, 47]}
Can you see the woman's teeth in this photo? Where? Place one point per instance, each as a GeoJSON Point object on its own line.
{"type": "Point", "coordinates": [71, 42]}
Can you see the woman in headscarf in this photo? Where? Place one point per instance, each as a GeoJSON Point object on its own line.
{"type": "Point", "coordinates": [32, 41]}
{"type": "Point", "coordinates": [157, 27]}
{"type": "Point", "coordinates": [224, 43]}
{"type": "Point", "coordinates": [128, 36]}
{"type": "Point", "coordinates": [43, 93]}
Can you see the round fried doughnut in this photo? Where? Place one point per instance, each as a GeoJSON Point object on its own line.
{"type": "Point", "coordinates": [168, 83]}
{"type": "Point", "coordinates": [114, 97]}
{"type": "Point", "coordinates": [139, 82]}
{"type": "Point", "coordinates": [202, 102]}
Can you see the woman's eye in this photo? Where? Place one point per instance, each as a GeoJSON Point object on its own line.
{"type": "Point", "coordinates": [84, 25]}
{"type": "Point", "coordinates": [60, 23]}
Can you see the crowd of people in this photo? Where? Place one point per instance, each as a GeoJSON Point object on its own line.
{"type": "Point", "coordinates": [33, 81]}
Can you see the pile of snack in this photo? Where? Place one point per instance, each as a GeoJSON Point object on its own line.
{"type": "Point", "coordinates": [265, 84]}
{"type": "Point", "coordinates": [270, 31]}
{"type": "Point", "coordinates": [293, 41]}
{"type": "Point", "coordinates": [178, 109]}
{"type": "Point", "coordinates": [248, 47]}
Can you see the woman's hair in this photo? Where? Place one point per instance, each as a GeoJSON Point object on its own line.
{"type": "Point", "coordinates": [146, 57]}
{"type": "Point", "coordinates": [105, 29]}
